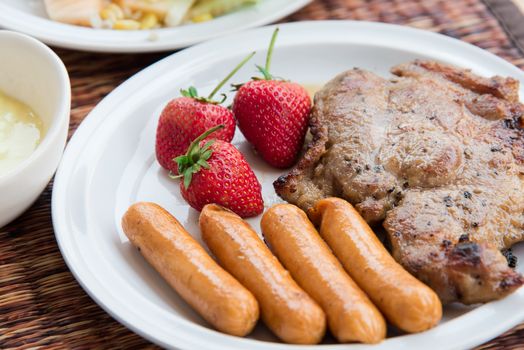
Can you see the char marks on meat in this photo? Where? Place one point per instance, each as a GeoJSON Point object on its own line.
{"type": "Point", "coordinates": [436, 155]}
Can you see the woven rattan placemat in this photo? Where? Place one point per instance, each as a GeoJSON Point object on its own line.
{"type": "Point", "coordinates": [41, 304]}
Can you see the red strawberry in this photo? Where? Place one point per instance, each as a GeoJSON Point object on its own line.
{"type": "Point", "coordinates": [216, 172]}
{"type": "Point", "coordinates": [273, 115]}
{"type": "Point", "coordinates": [185, 118]}
{"type": "Point", "coordinates": [182, 120]}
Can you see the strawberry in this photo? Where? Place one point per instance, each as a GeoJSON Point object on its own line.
{"type": "Point", "coordinates": [185, 118]}
{"type": "Point", "coordinates": [273, 115]}
{"type": "Point", "coordinates": [182, 120]}
{"type": "Point", "coordinates": [216, 172]}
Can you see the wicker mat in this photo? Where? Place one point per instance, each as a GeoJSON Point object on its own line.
{"type": "Point", "coordinates": [41, 304]}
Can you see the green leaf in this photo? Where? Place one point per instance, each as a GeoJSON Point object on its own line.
{"type": "Point", "coordinates": [206, 155]}
{"type": "Point", "coordinates": [188, 176]}
{"type": "Point", "coordinates": [208, 145]}
{"type": "Point", "coordinates": [195, 158]}
{"type": "Point", "coordinates": [185, 93]}
{"type": "Point", "coordinates": [193, 155]}
{"type": "Point", "coordinates": [193, 92]}
{"type": "Point", "coordinates": [181, 160]}
{"type": "Point", "coordinates": [236, 87]}
{"type": "Point", "coordinates": [203, 163]}
{"type": "Point", "coordinates": [265, 73]}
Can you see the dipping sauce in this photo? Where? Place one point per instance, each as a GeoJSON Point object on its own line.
{"type": "Point", "coordinates": [20, 132]}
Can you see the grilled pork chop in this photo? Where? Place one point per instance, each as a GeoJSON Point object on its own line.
{"type": "Point", "coordinates": [435, 154]}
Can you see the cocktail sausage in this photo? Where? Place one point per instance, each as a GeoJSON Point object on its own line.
{"type": "Point", "coordinates": [285, 308]}
{"type": "Point", "coordinates": [295, 241]}
{"type": "Point", "coordinates": [185, 265]}
{"type": "Point", "coordinates": [406, 302]}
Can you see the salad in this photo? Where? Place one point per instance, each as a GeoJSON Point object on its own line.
{"type": "Point", "coordinates": [139, 14]}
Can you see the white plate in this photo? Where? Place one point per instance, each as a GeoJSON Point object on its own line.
{"type": "Point", "coordinates": [110, 163]}
{"type": "Point", "coordinates": [29, 16]}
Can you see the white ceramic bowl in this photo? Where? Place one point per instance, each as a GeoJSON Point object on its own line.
{"type": "Point", "coordinates": [32, 73]}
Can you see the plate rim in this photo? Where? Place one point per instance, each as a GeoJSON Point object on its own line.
{"type": "Point", "coordinates": [17, 20]}
{"type": "Point", "coordinates": [95, 117]}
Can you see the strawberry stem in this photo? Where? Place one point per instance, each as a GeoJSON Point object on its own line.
{"type": "Point", "coordinates": [265, 70]}
{"type": "Point", "coordinates": [270, 53]}
{"type": "Point", "coordinates": [233, 72]}
{"type": "Point", "coordinates": [196, 141]}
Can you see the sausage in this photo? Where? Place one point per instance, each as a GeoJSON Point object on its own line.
{"type": "Point", "coordinates": [406, 302]}
{"type": "Point", "coordinates": [285, 308]}
{"type": "Point", "coordinates": [185, 265]}
{"type": "Point", "coordinates": [351, 315]}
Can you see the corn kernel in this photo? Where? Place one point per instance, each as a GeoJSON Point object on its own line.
{"type": "Point", "coordinates": [204, 17]}
{"type": "Point", "coordinates": [148, 21]}
{"type": "Point", "coordinates": [112, 12]}
{"type": "Point", "coordinates": [107, 14]}
{"type": "Point", "coordinates": [126, 24]}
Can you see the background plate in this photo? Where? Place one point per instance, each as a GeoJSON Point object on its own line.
{"type": "Point", "coordinates": [29, 16]}
{"type": "Point", "coordinates": [110, 163]}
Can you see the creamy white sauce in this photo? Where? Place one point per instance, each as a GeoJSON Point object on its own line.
{"type": "Point", "coordinates": [20, 132]}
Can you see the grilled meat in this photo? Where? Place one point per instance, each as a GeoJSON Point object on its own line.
{"type": "Point", "coordinates": [436, 155]}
